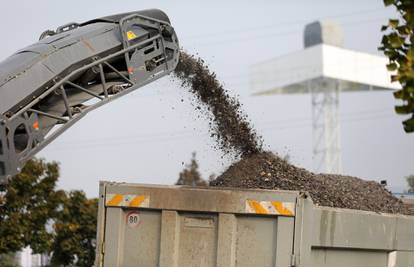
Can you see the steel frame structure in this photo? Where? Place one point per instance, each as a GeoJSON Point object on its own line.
{"type": "Point", "coordinates": [326, 125]}
{"type": "Point", "coordinates": [11, 159]}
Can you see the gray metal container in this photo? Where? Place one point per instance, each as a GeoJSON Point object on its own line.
{"type": "Point", "coordinates": [147, 225]}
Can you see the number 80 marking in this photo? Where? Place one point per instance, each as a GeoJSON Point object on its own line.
{"type": "Point", "coordinates": [133, 219]}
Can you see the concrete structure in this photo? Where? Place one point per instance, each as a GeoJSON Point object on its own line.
{"type": "Point", "coordinates": [171, 226]}
{"type": "Point", "coordinates": [323, 69]}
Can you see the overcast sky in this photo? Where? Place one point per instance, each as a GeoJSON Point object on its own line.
{"type": "Point", "coordinates": [145, 137]}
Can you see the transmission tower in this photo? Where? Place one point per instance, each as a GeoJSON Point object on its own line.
{"type": "Point", "coordinates": [326, 128]}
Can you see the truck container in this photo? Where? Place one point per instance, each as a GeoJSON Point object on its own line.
{"type": "Point", "coordinates": [176, 226]}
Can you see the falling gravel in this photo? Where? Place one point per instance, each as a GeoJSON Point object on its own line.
{"type": "Point", "coordinates": [258, 169]}
{"type": "Point", "coordinates": [228, 125]}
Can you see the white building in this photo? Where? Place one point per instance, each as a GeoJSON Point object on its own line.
{"type": "Point", "coordinates": [324, 69]}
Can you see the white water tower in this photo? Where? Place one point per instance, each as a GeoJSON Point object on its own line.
{"type": "Point", "coordinates": [324, 69]}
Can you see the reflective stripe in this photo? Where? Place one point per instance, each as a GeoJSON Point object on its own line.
{"type": "Point", "coordinates": [136, 202]}
{"type": "Point", "coordinates": [280, 207]}
{"type": "Point", "coordinates": [118, 200]}
{"type": "Point", "coordinates": [259, 209]}
{"type": "Point", "coordinates": [114, 200]}
{"type": "Point", "coordinates": [270, 207]}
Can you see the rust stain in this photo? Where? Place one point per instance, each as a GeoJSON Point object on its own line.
{"type": "Point", "coordinates": [88, 45]}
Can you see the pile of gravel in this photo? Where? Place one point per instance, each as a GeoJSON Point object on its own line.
{"type": "Point", "coordinates": [268, 171]}
{"type": "Point", "coordinates": [259, 169]}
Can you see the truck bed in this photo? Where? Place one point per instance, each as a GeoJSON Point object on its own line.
{"type": "Point", "coordinates": [148, 225]}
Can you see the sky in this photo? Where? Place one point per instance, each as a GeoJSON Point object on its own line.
{"type": "Point", "coordinates": [147, 136]}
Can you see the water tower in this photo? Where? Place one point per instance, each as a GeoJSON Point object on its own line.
{"type": "Point", "coordinates": [323, 69]}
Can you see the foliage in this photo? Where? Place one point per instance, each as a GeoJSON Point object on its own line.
{"type": "Point", "coordinates": [190, 175]}
{"type": "Point", "coordinates": [8, 260]}
{"type": "Point", "coordinates": [397, 45]}
{"type": "Point", "coordinates": [75, 227]}
{"type": "Point", "coordinates": [34, 213]}
{"type": "Point", "coordinates": [410, 182]}
{"type": "Point", "coordinates": [28, 202]}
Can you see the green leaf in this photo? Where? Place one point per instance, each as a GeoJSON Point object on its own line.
{"type": "Point", "coordinates": [395, 41]}
{"type": "Point", "coordinates": [392, 54]}
{"type": "Point", "coordinates": [401, 94]}
{"type": "Point", "coordinates": [395, 78]}
{"type": "Point", "coordinates": [393, 23]}
{"type": "Point", "coordinates": [410, 54]}
{"type": "Point", "coordinates": [385, 41]}
{"type": "Point", "coordinates": [410, 74]}
{"type": "Point", "coordinates": [392, 67]}
{"type": "Point", "coordinates": [409, 89]}
{"type": "Point", "coordinates": [408, 16]}
{"type": "Point", "coordinates": [388, 2]}
{"type": "Point", "coordinates": [409, 125]}
{"type": "Point", "coordinates": [35, 184]}
{"type": "Point", "coordinates": [405, 109]}
{"type": "Point", "coordinates": [403, 30]}
{"type": "Point", "coordinates": [402, 79]}
{"type": "Point", "coordinates": [397, 45]}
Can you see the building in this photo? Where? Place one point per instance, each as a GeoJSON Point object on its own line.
{"type": "Point", "coordinates": [324, 69]}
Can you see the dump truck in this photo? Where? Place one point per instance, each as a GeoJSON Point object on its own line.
{"type": "Point", "coordinates": [180, 226]}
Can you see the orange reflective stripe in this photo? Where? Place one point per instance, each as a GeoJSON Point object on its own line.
{"type": "Point", "coordinates": [280, 208]}
{"type": "Point", "coordinates": [257, 207]}
{"type": "Point", "coordinates": [115, 200]}
{"type": "Point", "coordinates": [136, 202]}
{"type": "Point", "coordinates": [270, 207]}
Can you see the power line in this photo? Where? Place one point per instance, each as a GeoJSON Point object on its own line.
{"type": "Point", "coordinates": [273, 35]}
{"type": "Point", "coordinates": [185, 135]}
{"type": "Point", "coordinates": [227, 81]}
{"type": "Point", "coordinates": [306, 125]}
{"type": "Point", "coordinates": [183, 132]}
{"type": "Point", "coordinates": [286, 23]}
{"type": "Point", "coordinates": [343, 116]}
